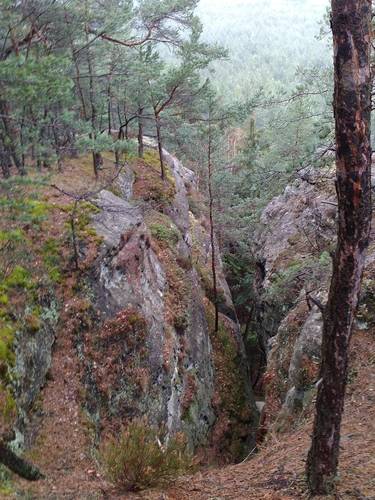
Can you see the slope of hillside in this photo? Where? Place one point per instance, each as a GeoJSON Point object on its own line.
{"type": "Point", "coordinates": [267, 41]}
{"type": "Point", "coordinates": [134, 337]}
{"type": "Point", "coordinates": [295, 240]}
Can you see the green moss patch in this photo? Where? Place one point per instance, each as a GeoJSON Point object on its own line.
{"type": "Point", "coordinates": [235, 418]}
{"type": "Point", "coordinates": [168, 234]}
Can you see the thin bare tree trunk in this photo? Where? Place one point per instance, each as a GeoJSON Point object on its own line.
{"type": "Point", "coordinates": [119, 121]}
{"type": "Point", "coordinates": [57, 145]}
{"type": "Point", "coordinates": [96, 155]}
{"type": "Point", "coordinates": [160, 145]}
{"type": "Point", "coordinates": [351, 27]}
{"type": "Point", "coordinates": [212, 228]}
{"type": "Point", "coordinates": [109, 105]}
{"type": "Point", "coordinates": [140, 133]}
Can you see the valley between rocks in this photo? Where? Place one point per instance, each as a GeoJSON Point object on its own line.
{"type": "Point", "coordinates": [145, 271]}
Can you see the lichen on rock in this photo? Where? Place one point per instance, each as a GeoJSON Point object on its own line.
{"type": "Point", "coordinates": [166, 365]}
{"type": "Point", "coordinates": [295, 245]}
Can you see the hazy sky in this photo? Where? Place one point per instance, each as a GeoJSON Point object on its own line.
{"type": "Point", "coordinates": [313, 3]}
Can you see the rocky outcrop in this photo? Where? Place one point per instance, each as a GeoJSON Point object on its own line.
{"type": "Point", "coordinates": [33, 355]}
{"type": "Point", "coordinates": [155, 353]}
{"type": "Point", "coordinates": [296, 236]}
{"type": "Point", "coordinates": [296, 242]}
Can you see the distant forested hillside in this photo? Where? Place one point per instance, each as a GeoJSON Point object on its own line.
{"type": "Point", "coordinates": [267, 41]}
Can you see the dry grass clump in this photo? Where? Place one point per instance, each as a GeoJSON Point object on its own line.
{"type": "Point", "coordinates": [135, 459]}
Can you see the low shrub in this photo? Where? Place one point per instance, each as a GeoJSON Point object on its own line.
{"type": "Point", "coordinates": [135, 459]}
{"type": "Point", "coordinates": [165, 233]}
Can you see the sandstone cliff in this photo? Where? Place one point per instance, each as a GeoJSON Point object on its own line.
{"type": "Point", "coordinates": [295, 247]}
{"type": "Point", "coordinates": [155, 353]}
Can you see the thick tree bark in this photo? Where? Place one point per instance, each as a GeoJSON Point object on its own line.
{"type": "Point", "coordinates": [351, 27]}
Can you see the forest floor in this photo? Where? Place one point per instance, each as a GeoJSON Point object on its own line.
{"type": "Point", "coordinates": [276, 472]}
{"type": "Point", "coordinates": [62, 449]}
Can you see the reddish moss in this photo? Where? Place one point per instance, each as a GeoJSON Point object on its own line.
{"type": "Point", "coordinates": [189, 394]}
{"type": "Point", "coordinates": [275, 380]}
{"type": "Point", "coordinates": [119, 350]}
{"type": "Point", "coordinates": [150, 187]}
{"type": "Point", "coordinates": [179, 286]}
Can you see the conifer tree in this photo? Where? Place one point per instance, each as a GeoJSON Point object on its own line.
{"type": "Point", "coordinates": [351, 27]}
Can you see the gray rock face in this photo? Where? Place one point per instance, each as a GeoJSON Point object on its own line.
{"type": "Point", "coordinates": [33, 360]}
{"type": "Point", "coordinates": [298, 234]}
{"type": "Point", "coordinates": [308, 346]}
{"type": "Point", "coordinates": [125, 182]}
{"type": "Point", "coordinates": [116, 217]}
{"type": "Point", "coordinates": [304, 364]}
{"type": "Point", "coordinates": [155, 355]}
{"type": "Point", "coordinates": [297, 223]}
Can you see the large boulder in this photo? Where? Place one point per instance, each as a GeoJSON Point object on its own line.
{"type": "Point", "coordinates": [155, 353]}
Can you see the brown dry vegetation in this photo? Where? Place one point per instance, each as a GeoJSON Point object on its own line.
{"type": "Point", "coordinates": [276, 472]}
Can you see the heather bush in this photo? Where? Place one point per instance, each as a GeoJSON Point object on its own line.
{"type": "Point", "coordinates": [136, 459]}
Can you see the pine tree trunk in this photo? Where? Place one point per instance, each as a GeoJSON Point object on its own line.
{"type": "Point", "coordinates": [351, 27]}
{"type": "Point", "coordinates": [212, 229]}
{"type": "Point", "coordinates": [57, 146]}
{"type": "Point", "coordinates": [5, 161]}
{"type": "Point", "coordinates": [97, 159]}
{"type": "Point", "coordinates": [11, 137]}
{"type": "Point", "coordinates": [140, 133]}
{"type": "Point", "coordinates": [160, 146]}
{"type": "Point", "coordinates": [117, 158]}
{"type": "Point", "coordinates": [109, 108]}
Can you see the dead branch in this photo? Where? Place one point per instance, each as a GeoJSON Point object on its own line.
{"type": "Point", "coordinates": [316, 302]}
{"type": "Point", "coordinates": [17, 464]}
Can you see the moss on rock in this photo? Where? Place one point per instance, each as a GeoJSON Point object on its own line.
{"type": "Point", "coordinates": [236, 419]}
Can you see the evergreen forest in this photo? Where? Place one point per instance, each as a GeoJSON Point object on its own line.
{"type": "Point", "coordinates": [187, 271]}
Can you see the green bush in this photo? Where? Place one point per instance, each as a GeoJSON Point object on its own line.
{"type": "Point", "coordinates": [168, 234]}
{"type": "Point", "coordinates": [136, 459]}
